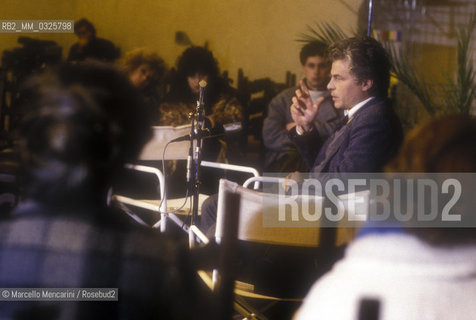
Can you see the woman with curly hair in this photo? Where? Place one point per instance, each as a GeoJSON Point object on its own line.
{"type": "Point", "coordinates": [145, 71]}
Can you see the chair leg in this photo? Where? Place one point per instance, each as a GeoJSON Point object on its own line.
{"type": "Point", "coordinates": [246, 310]}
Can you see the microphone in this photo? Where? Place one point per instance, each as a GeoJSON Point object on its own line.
{"type": "Point", "coordinates": [229, 129]}
{"type": "Point", "coordinates": [182, 138]}
{"type": "Point", "coordinates": [200, 113]}
{"type": "Point", "coordinates": [202, 85]}
{"type": "Point", "coordinates": [204, 134]}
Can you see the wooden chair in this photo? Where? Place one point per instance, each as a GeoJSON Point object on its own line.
{"type": "Point", "coordinates": [255, 96]}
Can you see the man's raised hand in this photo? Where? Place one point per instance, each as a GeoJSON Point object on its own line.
{"type": "Point", "coordinates": [303, 110]}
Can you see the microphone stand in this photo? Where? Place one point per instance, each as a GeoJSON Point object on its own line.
{"type": "Point", "coordinates": [193, 170]}
{"type": "Point", "coordinates": [197, 159]}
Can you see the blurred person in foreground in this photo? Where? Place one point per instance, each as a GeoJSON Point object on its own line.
{"type": "Point", "coordinates": [76, 136]}
{"type": "Point", "coordinates": [407, 271]}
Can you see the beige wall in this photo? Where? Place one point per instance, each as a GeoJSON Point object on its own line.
{"type": "Point", "coordinates": [256, 35]}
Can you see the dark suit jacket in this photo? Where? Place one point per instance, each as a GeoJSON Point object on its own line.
{"type": "Point", "coordinates": [97, 48]}
{"type": "Point", "coordinates": [365, 144]}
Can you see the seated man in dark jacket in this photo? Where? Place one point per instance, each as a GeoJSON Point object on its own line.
{"type": "Point", "coordinates": [89, 46]}
{"type": "Point", "coordinates": [371, 133]}
{"type": "Point", "coordinates": [281, 153]}
{"type": "Point", "coordinates": [368, 136]}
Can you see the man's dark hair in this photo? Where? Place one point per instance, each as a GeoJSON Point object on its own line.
{"type": "Point", "coordinates": [315, 48]}
{"type": "Point", "coordinates": [82, 123]}
{"type": "Point", "coordinates": [84, 23]}
{"type": "Point", "coordinates": [368, 61]}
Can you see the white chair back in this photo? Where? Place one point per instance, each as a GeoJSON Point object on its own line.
{"type": "Point", "coordinates": [260, 217]}
{"type": "Point", "coordinates": [153, 150]}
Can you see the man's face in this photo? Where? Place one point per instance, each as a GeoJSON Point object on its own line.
{"type": "Point", "coordinates": [345, 90]}
{"type": "Point", "coordinates": [316, 72]}
{"type": "Point", "coordinates": [84, 35]}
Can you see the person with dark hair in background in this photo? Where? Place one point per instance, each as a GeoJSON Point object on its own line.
{"type": "Point", "coordinates": [89, 46]}
{"type": "Point", "coordinates": [146, 71]}
{"type": "Point", "coordinates": [404, 270]}
{"type": "Point", "coordinates": [76, 135]}
{"type": "Point", "coordinates": [281, 153]}
{"type": "Point", "coordinates": [371, 132]}
{"type": "Point", "coordinates": [221, 105]}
